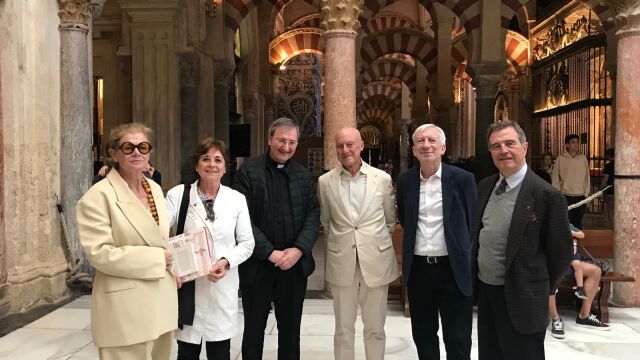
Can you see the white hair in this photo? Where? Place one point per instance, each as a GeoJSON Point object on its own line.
{"type": "Point", "coordinates": [423, 127]}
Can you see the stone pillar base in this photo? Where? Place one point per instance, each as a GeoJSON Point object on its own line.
{"type": "Point", "coordinates": [41, 290]}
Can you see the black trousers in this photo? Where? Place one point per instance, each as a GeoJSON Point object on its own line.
{"type": "Point", "coordinates": [576, 215]}
{"type": "Point", "coordinates": [286, 289]}
{"type": "Point", "coordinates": [432, 290]}
{"type": "Point", "coordinates": [216, 350]}
{"type": "Point", "coordinates": [497, 338]}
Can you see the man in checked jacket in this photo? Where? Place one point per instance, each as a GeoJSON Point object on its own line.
{"type": "Point", "coordinates": [521, 245]}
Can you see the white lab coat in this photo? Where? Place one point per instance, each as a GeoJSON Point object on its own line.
{"type": "Point", "coordinates": [216, 304]}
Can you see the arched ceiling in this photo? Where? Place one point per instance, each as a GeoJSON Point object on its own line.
{"type": "Point", "coordinates": [295, 42]}
{"type": "Point", "coordinates": [396, 68]}
{"type": "Point", "coordinates": [404, 41]}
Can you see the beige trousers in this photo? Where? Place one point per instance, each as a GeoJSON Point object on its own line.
{"type": "Point", "coordinates": [373, 308]}
{"type": "Point", "coordinates": [158, 349]}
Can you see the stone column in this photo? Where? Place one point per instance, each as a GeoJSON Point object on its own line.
{"type": "Point", "coordinates": [154, 75]}
{"type": "Point", "coordinates": [405, 151]}
{"type": "Point", "coordinates": [486, 80]}
{"type": "Point", "coordinates": [340, 21]}
{"type": "Point", "coordinates": [627, 141]}
{"type": "Point", "coordinates": [419, 111]}
{"type": "Point", "coordinates": [4, 286]}
{"type": "Point", "coordinates": [75, 109]}
{"type": "Point", "coordinates": [443, 100]}
{"type": "Point", "coordinates": [189, 134]}
{"type": "Point", "coordinates": [223, 73]}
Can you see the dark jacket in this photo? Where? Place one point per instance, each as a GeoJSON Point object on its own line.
{"type": "Point", "coordinates": [539, 249]}
{"type": "Point", "coordinates": [458, 210]}
{"type": "Point", "coordinates": [251, 181]}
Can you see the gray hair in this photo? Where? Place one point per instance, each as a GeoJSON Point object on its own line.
{"type": "Point", "coordinates": [423, 127]}
{"type": "Point", "coordinates": [497, 126]}
{"type": "Point", "coordinates": [283, 122]}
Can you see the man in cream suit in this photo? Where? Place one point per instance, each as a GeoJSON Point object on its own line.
{"type": "Point", "coordinates": [357, 212]}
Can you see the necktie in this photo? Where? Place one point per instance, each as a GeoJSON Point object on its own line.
{"type": "Point", "coordinates": [502, 187]}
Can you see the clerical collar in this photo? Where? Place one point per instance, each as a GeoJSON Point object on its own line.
{"type": "Point", "coordinates": [274, 165]}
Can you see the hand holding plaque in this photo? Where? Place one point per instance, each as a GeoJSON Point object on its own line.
{"type": "Point", "coordinates": [191, 253]}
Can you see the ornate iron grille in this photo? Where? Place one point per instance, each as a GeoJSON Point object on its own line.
{"type": "Point", "coordinates": [572, 94]}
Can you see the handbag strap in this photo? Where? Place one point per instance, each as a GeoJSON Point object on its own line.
{"type": "Point", "coordinates": [184, 204]}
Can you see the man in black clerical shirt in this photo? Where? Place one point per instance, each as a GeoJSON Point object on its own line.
{"type": "Point", "coordinates": [285, 216]}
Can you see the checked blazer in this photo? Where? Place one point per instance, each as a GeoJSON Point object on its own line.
{"type": "Point", "coordinates": [538, 249]}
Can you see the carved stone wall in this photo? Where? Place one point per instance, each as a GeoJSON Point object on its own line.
{"type": "Point", "coordinates": [32, 264]}
{"type": "Point", "coordinates": [298, 93]}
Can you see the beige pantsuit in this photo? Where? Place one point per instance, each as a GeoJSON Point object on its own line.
{"type": "Point", "coordinates": [134, 301]}
{"type": "Point", "coordinates": [158, 349]}
{"type": "Point", "coordinates": [361, 261]}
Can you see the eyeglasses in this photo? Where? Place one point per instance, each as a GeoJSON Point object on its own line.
{"type": "Point", "coordinates": [208, 207]}
{"type": "Point", "coordinates": [128, 148]}
{"type": "Point", "coordinates": [284, 142]}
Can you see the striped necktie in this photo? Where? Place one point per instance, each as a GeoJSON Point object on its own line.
{"type": "Point", "coordinates": [502, 187]}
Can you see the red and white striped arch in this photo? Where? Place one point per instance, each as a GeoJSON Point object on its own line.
{"type": "Point", "coordinates": [381, 88]}
{"type": "Point", "coordinates": [395, 68]}
{"type": "Point", "coordinates": [406, 41]}
{"type": "Point", "coordinates": [516, 49]}
{"type": "Point", "coordinates": [377, 114]}
{"type": "Point", "coordinates": [295, 42]}
{"type": "Point", "coordinates": [307, 21]}
{"type": "Point", "coordinates": [389, 21]}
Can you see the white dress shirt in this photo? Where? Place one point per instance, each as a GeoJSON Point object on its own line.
{"type": "Point", "coordinates": [430, 233]}
{"type": "Point", "coordinates": [353, 189]}
{"type": "Point", "coordinates": [513, 180]}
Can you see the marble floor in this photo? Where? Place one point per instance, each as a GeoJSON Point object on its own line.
{"type": "Point", "coordinates": [66, 334]}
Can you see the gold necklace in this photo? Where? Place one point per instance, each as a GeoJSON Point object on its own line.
{"type": "Point", "coordinates": [152, 203]}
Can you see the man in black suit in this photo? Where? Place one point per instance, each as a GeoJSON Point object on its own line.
{"type": "Point", "coordinates": [521, 247]}
{"type": "Point", "coordinates": [436, 204]}
{"type": "Point", "coordinates": [285, 216]}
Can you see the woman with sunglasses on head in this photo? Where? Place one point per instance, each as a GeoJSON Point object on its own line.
{"type": "Point", "coordinates": [123, 228]}
{"type": "Point", "coordinates": [208, 306]}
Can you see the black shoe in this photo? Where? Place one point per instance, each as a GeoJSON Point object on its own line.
{"type": "Point", "coordinates": [592, 322]}
{"type": "Point", "coordinates": [580, 293]}
{"type": "Point", "coordinates": [557, 328]}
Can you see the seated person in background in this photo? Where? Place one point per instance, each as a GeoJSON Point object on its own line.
{"type": "Point", "coordinates": [576, 264]}
{"type": "Point", "coordinates": [587, 277]}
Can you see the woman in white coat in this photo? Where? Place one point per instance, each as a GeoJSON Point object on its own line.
{"type": "Point", "coordinates": [208, 307]}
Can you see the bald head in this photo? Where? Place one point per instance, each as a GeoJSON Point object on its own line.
{"type": "Point", "coordinates": [349, 133]}
{"type": "Point", "coordinates": [349, 145]}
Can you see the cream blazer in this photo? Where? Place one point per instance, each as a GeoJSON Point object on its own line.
{"type": "Point", "coordinates": [366, 238]}
{"type": "Point", "coordinates": [134, 297]}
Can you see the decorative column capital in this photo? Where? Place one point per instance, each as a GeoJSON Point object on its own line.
{"type": "Point", "coordinates": [341, 15]}
{"type": "Point", "coordinates": [222, 73]}
{"type": "Point", "coordinates": [626, 16]}
{"type": "Point", "coordinates": [74, 12]}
